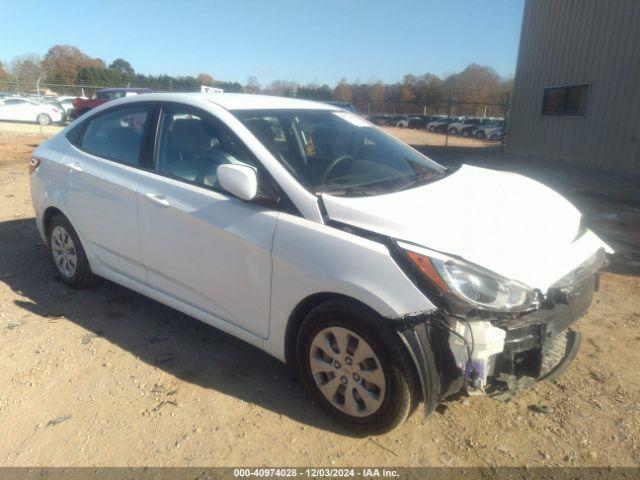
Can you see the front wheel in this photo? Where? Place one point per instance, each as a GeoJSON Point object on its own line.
{"type": "Point", "coordinates": [43, 119]}
{"type": "Point", "coordinates": [356, 368]}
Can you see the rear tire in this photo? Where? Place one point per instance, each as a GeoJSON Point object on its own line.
{"type": "Point", "coordinates": [361, 365]}
{"type": "Point", "coordinates": [67, 254]}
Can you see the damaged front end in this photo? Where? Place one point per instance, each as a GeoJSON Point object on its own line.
{"type": "Point", "coordinates": [495, 353]}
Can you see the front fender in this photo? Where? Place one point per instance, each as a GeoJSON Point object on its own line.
{"type": "Point", "coordinates": [311, 258]}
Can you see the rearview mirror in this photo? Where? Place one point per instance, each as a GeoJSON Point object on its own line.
{"type": "Point", "coordinates": [239, 180]}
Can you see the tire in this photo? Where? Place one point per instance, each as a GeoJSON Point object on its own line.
{"type": "Point", "coordinates": [67, 254]}
{"type": "Point", "coordinates": [493, 137]}
{"type": "Point", "coordinates": [432, 128]}
{"type": "Point", "coordinates": [453, 131]}
{"type": "Point", "coordinates": [464, 133]}
{"type": "Point", "coordinates": [372, 405]}
{"type": "Point", "coordinates": [43, 119]}
{"type": "Point", "coordinates": [479, 134]}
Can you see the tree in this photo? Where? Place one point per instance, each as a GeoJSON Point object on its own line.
{"type": "Point", "coordinates": [429, 89]}
{"type": "Point", "coordinates": [406, 95]}
{"type": "Point", "coordinates": [206, 79]}
{"type": "Point", "coordinates": [3, 71]}
{"type": "Point", "coordinates": [342, 92]}
{"type": "Point", "coordinates": [62, 62]}
{"type": "Point", "coordinates": [122, 66]}
{"type": "Point", "coordinates": [252, 86]}
{"type": "Point", "coordinates": [26, 68]}
{"type": "Point", "coordinates": [475, 83]}
{"type": "Point", "coordinates": [315, 92]}
{"type": "Point", "coordinates": [283, 88]}
{"type": "Point", "coordinates": [377, 92]}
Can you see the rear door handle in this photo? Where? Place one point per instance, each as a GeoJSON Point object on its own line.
{"type": "Point", "coordinates": [74, 167]}
{"type": "Point", "coordinates": [157, 198]}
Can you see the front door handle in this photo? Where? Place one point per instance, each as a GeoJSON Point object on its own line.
{"type": "Point", "coordinates": [74, 167]}
{"type": "Point", "coordinates": [158, 199]}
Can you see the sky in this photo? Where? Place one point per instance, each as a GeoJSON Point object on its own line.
{"type": "Point", "coordinates": [306, 41]}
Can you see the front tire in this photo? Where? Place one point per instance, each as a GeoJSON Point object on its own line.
{"type": "Point", "coordinates": [43, 119]}
{"type": "Point", "coordinates": [356, 368]}
{"type": "Point", "coordinates": [67, 254]}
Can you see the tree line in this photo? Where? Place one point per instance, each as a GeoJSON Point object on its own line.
{"type": "Point", "coordinates": [68, 65]}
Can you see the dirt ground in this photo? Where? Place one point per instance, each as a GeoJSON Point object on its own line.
{"type": "Point", "coordinates": [107, 377]}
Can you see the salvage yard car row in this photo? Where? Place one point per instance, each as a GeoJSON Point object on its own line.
{"type": "Point", "coordinates": [57, 109]}
{"type": "Point", "coordinates": [490, 128]}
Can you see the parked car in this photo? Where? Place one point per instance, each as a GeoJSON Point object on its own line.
{"type": "Point", "coordinates": [494, 133]}
{"type": "Point", "coordinates": [82, 105]}
{"type": "Point", "coordinates": [440, 124]}
{"type": "Point", "coordinates": [379, 119]}
{"type": "Point", "coordinates": [307, 232]}
{"type": "Point", "coordinates": [421, 121]}
{"type": "Point", "coordinates": [493, 126]}
{"type": "Point", "coordinates": [454, 128]}
{"type": "Point", "coordinates": [469, 128]}
{"type": "Point", "coordinates": [27, 110]}
{"type": "Point", "coordinates": [397, 121]}
{"type": "Point", "coordinates": [67, 103]}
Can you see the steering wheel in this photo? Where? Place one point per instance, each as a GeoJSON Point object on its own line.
{"type": "Point", "coordinates": [333, 165]}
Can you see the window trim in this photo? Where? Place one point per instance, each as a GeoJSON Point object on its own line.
{"type": "Point", "coordinates": [563, 115]}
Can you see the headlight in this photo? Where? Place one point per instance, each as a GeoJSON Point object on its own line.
{"type": "Point", "coordinates": [473, 285]}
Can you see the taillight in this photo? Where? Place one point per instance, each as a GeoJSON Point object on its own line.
{"type": "Point", "coordinates": [34, 163]}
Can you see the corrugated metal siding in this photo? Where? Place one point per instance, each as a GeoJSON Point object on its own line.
{"type": "Point", "coordinates": [565, 42]}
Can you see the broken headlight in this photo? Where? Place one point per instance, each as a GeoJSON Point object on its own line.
{"type": "Point", "coordinates": [459, 281]}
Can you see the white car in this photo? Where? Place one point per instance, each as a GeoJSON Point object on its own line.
{"type": "Point", "coordinates": [27, 110]}
{"type": "Point", "coordinates": [493, 132]}
{"type": "Point", "coordinates": [67, 102]}
{"type": "Point", "coordinates": [306, 231]}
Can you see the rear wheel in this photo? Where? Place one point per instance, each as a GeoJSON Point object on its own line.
{"type": "Point", "coordinates": [68, 255]}
{"type": "Point", "coordinates": [356, 368]}
{"type": "Point", "coordinates": [494, 137]}
{"type": "Point", "coordinates": [43, 119]}
{"type": "Point", "coordinates": [453, 131]}
{"type": "Point", "coordinates": [432, 128]}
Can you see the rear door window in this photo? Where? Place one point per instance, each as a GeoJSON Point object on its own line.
{"type": "Point", "coordinates": [117, 135]}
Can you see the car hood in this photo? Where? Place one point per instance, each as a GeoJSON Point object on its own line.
{"type": "Point", "coordinates": [501, 221]}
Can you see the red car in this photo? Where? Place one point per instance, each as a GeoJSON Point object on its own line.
{"type": "Point", "coordinates": [82, 106]}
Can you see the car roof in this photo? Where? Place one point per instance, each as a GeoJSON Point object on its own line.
{"type": "Point", "coordinates": [125, 89]}
{"type": "Point", "coordinates": [230, 101]}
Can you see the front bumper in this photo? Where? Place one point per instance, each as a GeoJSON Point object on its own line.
{"type": "Point", "coordinates": [497, 356]}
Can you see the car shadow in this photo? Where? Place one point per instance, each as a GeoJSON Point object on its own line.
{"type": "Point", "coordinates": [154, 333]}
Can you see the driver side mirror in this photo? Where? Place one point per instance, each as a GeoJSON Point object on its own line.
{"type": "Point", "coordinates": [239, 180]}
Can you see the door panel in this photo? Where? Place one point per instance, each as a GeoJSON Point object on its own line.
{"type": "Point", "coordinates": [208, 250]}
{"type": "Point", "coordinates": [103, 203]}
{"type": "Point", "coordinates": [103, 184]}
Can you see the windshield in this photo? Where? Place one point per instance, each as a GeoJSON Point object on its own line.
{"type": "Point", "coordinates": [339, 153]}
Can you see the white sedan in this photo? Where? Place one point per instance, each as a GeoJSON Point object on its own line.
{"type": "Point", "coordinates": [383, 277]}
{"type": "Point", "coordinates": [26, 110]}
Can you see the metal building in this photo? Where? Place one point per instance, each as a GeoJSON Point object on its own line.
{"type": "Point", "coordinates": [577, 86]}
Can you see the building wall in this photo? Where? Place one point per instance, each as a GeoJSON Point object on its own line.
{"type": "Point", "coordinates": [567, 42]}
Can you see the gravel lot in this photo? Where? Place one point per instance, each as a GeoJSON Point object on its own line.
{"type": "Point", "coordinates": [107, 377]}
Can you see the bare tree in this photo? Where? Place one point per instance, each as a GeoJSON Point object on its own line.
{"type": "Point", "coordinates": [26, 68]}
